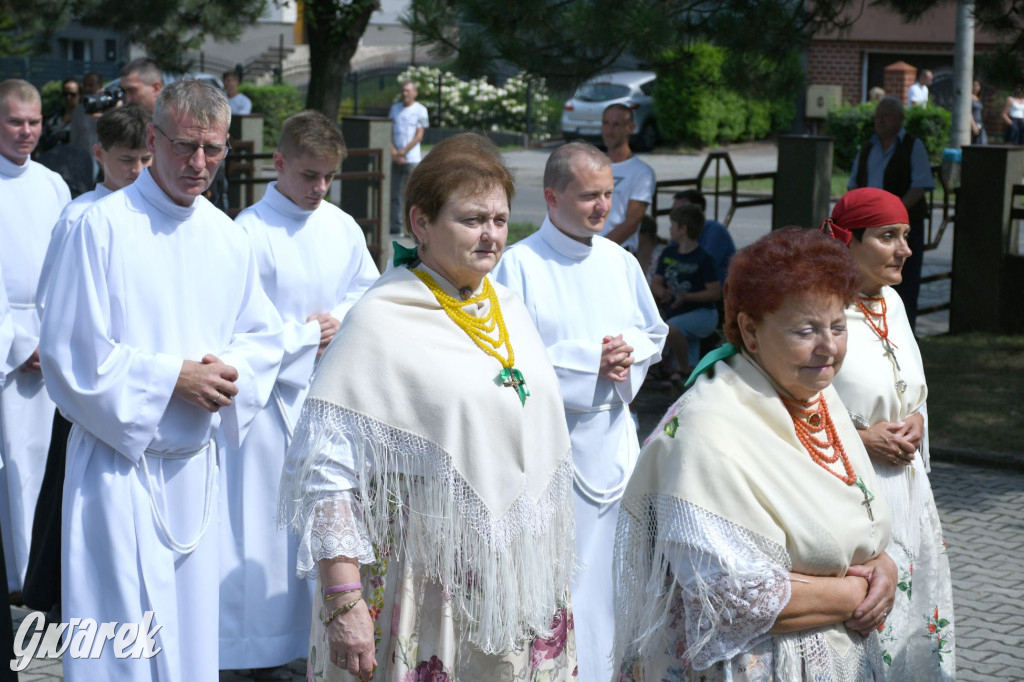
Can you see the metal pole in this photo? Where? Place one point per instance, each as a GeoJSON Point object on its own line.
{"type": "Point", "coordinates": [280, 58]}
{"type": "Point", "coordinates": [963, 74]}
{"type": "Point", "coordinates": [529, 111]}
{"type": "Point", "coordinates": [355, 93]}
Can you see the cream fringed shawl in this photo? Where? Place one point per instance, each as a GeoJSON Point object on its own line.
{"type": "Point", "coordinates": [727, 501]}
{"type": "Point", "coordinates": [413, 409]}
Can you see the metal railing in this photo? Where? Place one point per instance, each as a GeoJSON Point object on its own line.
{"type": "Point", "coordinates": [934, 233]}
{"type": "Point", "coordinates": [737, 198]}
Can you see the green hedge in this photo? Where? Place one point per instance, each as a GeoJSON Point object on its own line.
{"type": "Point", "coordinates": [276, 103]}
{"type": "Point", "coordinates": [851, 126]}
{"type": "Point", "coordinates": [705, 94]}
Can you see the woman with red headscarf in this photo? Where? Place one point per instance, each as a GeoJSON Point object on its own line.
{"type": "Point", "coordinates": [883, 386]}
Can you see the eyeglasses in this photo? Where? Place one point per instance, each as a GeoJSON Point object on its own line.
{"type": "Point", "coordinates": [185, 149]}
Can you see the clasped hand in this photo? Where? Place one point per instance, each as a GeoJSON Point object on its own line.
{"type": "Point", "coordinates": [210, 384]}
{"type": "Point", "coordinates": [881, 575]}
{"type": "Point", "coordinates": [616, 358]}
{"type": "Point", "coordinates": [329, 326]}
{"type": "Point", "coordinates": [894, 443]}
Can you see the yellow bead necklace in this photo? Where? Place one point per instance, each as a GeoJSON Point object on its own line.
{"type": "Point", "coordinates": [482, 329]}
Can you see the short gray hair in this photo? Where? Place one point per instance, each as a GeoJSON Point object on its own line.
{"type": "Point", "coordinates": [890, 102]}
{"type": "Point", "coordinates": [558, 172]}
{"type": "Point", "coordinates": [197, 100]}
{"type": "Point", "coordinates": [145, 68]}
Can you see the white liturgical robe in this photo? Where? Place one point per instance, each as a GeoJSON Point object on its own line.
{"type": "Point", "coordinates": [68, 217]}
{"type": "Point", "coordinates": [141, 285]}
{"type": "Point", "coordinates": [310, 262]}
{"type": "Point", "coordinates": [31, 199]}
{"type": "Point", "coordinates": [6, 332]}
{"type": "Point", "coordinates": [577, 294]}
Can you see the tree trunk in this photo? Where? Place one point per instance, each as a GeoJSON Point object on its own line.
{"type": "Point", "coordinates": [333, 30]}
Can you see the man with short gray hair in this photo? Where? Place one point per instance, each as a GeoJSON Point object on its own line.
{"type": "Point", "coordinates": [409, 120]}
{"type": "Point", "coordinates": [157, 336]}
{"type": "Point", "coordinates": [896, 161]}
{"type": "Point", "coordinates": [594, 310]}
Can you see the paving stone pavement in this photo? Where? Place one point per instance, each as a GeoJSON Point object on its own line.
{"type": "Point", "coordinates": [981, 512]}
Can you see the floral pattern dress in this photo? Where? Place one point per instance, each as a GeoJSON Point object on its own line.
{"type": "Point", "coordinates": [420, 639]}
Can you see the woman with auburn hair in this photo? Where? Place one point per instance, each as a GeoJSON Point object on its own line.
{"type": "Point", "coordinates": [883, 386]}
{"type": "Point", "coordinates": [751, 543]}
{"type": "Point", "coordinates": [430, 475]}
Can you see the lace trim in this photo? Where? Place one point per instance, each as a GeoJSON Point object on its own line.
{"type": "Point", "coordinates": [675, 560]}
{"type": "Point", "coordinates": [335, 528]}
{"type": "Point", "coordinates": [505, 574]}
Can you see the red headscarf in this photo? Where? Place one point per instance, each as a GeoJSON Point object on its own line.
{"type": "Point", "coordinates": [864, 207]}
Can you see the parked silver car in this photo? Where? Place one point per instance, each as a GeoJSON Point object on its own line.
{"type": "Point", "coordinates": [581, 117]}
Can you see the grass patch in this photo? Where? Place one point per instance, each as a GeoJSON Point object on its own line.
{"type": "Point", "coordinates": [838, 185]}
{"type": "Point", "coordinates": [975, 386]}
{"type": "Point", "coordinates": [517, 231]}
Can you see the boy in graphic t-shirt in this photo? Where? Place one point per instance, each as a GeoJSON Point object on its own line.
{"type": "Point", "coordinates": [687, 286]}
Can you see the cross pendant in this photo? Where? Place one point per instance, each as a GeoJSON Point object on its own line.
{"type": "Point", "coordinates": [867, 498]}
{"type": "Point", "coordinates": [867, 505]}
{"type": "Point", "coordinates": [513, 382]}
{"type": "Point", "coordinates": [892, 355]}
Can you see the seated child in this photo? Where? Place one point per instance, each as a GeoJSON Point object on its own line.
{"type": "Point", "coordinates": [687, 286]}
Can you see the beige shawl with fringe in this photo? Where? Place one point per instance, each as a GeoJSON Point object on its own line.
{"type": "Point", "coordinates": [406, 399]}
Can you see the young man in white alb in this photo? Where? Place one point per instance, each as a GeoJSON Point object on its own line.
{"type": "Point", "coordinates": [31, 200]}
{"type": "Point", "coordinates": [314, 266]}
{"type": "Point", "coordinates": [594, 310]}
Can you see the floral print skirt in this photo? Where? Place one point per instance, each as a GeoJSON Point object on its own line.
{"type": "Point", "coordinates": [420, 638]}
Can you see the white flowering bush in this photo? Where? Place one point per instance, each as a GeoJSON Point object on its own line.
{"type": "Point", "coordinates": [479, 105]}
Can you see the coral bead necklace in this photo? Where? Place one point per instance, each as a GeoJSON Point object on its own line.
{"type": "Point", "coordinates": [817, 433]}
{"type": "Point", "coordinates": [482, 329]}
{"type": "Point", "coordinates": [881, 329]}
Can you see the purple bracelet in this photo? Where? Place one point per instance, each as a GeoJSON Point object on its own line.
{"type": "Point", "coordinates": [347, 587]}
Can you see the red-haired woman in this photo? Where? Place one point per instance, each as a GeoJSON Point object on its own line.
{"type": "Point", "coordinates": [883, 386]}
{"type": "Point", "coordinates": [751, 543]}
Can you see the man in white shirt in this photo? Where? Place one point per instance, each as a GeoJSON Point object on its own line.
{"type": "Point", "coordinates": [595, 312]}
{"type": "Point", "coordinates": [156, 336]}
{"type": "Point", "coordinates": [634, 179]}
{"type": "Point", "coordinates": [917, 94]}
{"type": "Point", "coordinates": [410, 120]}
{"type": "Point", "coordinates": [31, 199]}
{"type": "Point", "coordinates": [122, 154]}
{"type": "Point", "coordinates": [314, 266]}
{"type": "Point", "coordinates": [240, 104]}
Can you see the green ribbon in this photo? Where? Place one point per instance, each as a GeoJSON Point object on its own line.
{"type": "Point", "coordinates": [726, 351]}
{"type": "Point", "coordinates": [513, 377]}
{"type": "Point", "coordinates": [404, 255]}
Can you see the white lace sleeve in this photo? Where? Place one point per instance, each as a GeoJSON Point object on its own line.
{"type": "Point", "coordinates": [334, 528]}
{"type": "Point", "coordinates": [729, 586]}
{"type": "Point", "coordinates": [733, 586]}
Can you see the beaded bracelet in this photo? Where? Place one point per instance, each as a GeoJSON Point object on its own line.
{"type": "Point", "coordinates": [347, 587]}
{"type": "Point", "coordinates": [329, 597]}
{"type": "Point", "coordinates": [343, 609]}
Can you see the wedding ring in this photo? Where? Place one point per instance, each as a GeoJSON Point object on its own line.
{"type": "Point", "coordinates": [216, 400]}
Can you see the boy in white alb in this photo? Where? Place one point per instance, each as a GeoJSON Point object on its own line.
{"type": "Point", "coordinates": [634, 179]}
{"type": "Point", "coordinates": [314, 266]}
{"type": "Point", "coordinates": [409, 120]}
{"type": "Point", "coordinates": [31, 199]}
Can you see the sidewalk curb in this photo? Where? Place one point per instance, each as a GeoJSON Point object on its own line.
{"type": "Point", "coordinates": [981, 458]}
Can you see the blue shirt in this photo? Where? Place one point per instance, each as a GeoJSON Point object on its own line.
{"type": "Point", "coordinates": [920, 166]}
{"type": "Point", "coordinates": [717, 242]}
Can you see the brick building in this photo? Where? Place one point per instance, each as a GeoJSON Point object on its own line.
{"type": "Point", "coordinates": [856, 59]}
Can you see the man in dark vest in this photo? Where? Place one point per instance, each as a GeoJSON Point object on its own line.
{"type": "Point", "coordinates": [896, 161]}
